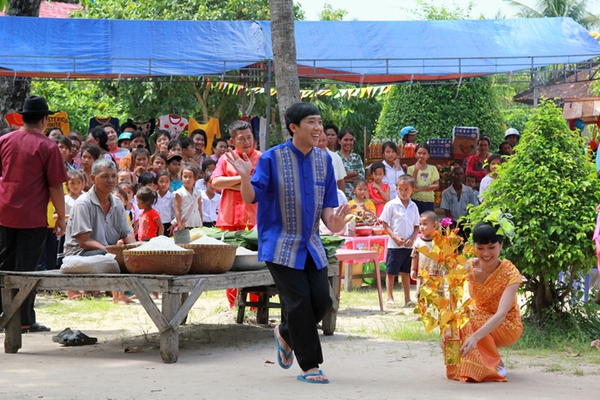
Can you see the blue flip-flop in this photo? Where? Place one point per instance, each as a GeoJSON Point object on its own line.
{"type": "Point", "coordinates": [302, 377]}
{"type": "Point", "coordinates": [279, 351]}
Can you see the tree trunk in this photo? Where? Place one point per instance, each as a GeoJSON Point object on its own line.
{"type": "Point", "coordinates": [12, 96]}
{"type": "Point", "coordinates": [284, 58]}
{"type": "Point", "coordinates": [14, 91]}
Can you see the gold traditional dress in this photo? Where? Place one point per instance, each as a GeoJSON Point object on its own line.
{"type": "Point", "coordinates": [481, 364]}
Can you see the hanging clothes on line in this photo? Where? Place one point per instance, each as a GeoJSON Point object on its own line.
{"type": "Point", "coordinates": [99, 121]}
{"type": "Point", "coordinates": [147, 126]}
{"type": "Point", "coordinates": [212, 130]}
{"type": "Point", "coordinates": [14, 119]}
{"type": "Point", "coordinates": [174, 124]}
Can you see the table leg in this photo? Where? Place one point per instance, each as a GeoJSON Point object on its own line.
{"type": "Point", "coordinates": [339, 284]}
{"type": "Point", "coordinates": [12, 330]}
{"type": "Point", "coordinates": [378, 277]}
{"type": "Point", "coordinates": [169, 339]}
{"type": "Point", "coordinates": [348, 276]}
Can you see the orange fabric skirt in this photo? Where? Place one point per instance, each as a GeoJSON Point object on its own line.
{"type": "Point", "coordinates": [481, 364]}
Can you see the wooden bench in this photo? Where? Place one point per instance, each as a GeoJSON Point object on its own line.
{"type": "Point", "coordinates": [17, 285]}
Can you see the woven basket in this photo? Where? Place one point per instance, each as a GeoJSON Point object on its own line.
{"type": "Point", "coordinates": [158, 262]}
{"type": "Point", "coordinates": [211, 258]}
{"type": "Point", "coordinates": [117, 250]}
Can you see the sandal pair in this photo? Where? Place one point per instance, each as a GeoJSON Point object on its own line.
{"type": "Point", "coordinates": [69, 337]}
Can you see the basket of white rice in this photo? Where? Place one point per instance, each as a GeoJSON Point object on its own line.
{"type": "Point", "coordinates": [117, 250]}
{"type": "Point", "coordinates": [211, 256]}
{"type": "Point", "coordinates": [160, 256]}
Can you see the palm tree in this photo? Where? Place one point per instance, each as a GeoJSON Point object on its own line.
{"type": "Point", "coordinates": [576, 9]}
{"type": "Point", "coordinates": [284, 57]}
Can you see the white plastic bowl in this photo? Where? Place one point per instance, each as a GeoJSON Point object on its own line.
{"type": "Point", "coordinates": [247, 262]}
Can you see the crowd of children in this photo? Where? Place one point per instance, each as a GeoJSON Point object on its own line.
{"type": "Point", "coordinates": [160, 192]}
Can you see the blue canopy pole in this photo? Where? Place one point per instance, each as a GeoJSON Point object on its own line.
{"type": "Point", "coordinates": [265, 146]}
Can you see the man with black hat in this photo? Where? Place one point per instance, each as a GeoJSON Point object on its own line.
{"type": "Point", "coordinates": [31, 173]}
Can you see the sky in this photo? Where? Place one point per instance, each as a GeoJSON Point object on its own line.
{"type": "Point", "coordinates": [394, 10]}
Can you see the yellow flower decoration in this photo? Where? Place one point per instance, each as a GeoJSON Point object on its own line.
{"type": "Point", "coordinates": [439, 308]}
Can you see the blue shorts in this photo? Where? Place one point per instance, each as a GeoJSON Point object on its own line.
{"type": "Point", "coordinates": [423, 206]}
{"type": "Point", "coordinates": [398, 260]}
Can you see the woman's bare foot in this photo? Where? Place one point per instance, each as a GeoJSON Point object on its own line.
{"type": "Point", "coordinates": [88, 294]}
{"type": "Point", "coordinates": [123, 301]}
{"type": "Point", "coordinates": [120, 298]}
{"type": "Point", "coordinates": [73, 294]}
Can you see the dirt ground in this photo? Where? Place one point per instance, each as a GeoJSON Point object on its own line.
{"type": "Point", "coordinates": [224, 360]}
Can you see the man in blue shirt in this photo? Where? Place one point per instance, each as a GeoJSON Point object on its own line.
{"type": "Point", "coordinates": [294, 186]}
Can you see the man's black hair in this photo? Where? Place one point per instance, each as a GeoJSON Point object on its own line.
{"type": "Point", "coordinates": [297, 112]}
{"type": "Point", "coordinates": [331, 126]}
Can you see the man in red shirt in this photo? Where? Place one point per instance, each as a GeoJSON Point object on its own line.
{"type": "Point", "coordinates": [234, 213]}
{"type": "Point", "coordinates": [32, 172]}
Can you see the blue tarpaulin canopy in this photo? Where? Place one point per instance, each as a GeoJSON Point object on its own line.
{"type": "Point", "coordinates": [352, 51]}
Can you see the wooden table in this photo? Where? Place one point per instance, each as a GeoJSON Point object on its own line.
{"type": "Point", "coordinates": [16, 286]}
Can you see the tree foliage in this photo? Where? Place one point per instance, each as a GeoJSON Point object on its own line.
{"type": "Point", "coordinates": [550, 188]}
{"type": "Point", "coordinates": [435, 109]}
{"type": "Point", "coordinates": [426, 10]}
{"type": "Point", "coordinates": [576, 9]}
{"type": "Point", "coordinates": [180, 10]}
{"type": "Point", "coordinates": [354, 113]}
{"type": "Point", "coordinates": [81, 100]}
{"type": "Point", "coordinates": [332, 14]}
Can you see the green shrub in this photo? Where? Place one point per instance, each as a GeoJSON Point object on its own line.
{"type": "Point", "coordinates": [550, 188]}
{"type": "Point", "coordinates": [435, 109]}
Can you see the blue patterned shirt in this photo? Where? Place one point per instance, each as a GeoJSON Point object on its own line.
{"type": "Point", "coordinates": [292, 190]}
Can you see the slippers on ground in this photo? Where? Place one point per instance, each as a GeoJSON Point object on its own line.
{"type": "Point", "coordinates": [35, 328]}
{"type": "Point", "coordinates": [279, 351]}
{"type": "Point", "coordinates": [390, 304]}
{"type": "Point", "coordinates": [410, 304]}
{"type": "Point", "coordinates": [65, 332]}
{"type": "Point", "coordinates": [77, 338]}
{"type": "Point", "coordinates": [305, 377]}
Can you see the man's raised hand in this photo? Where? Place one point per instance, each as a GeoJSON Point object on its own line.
{"type": "Point", "coordinates": [243, 166]}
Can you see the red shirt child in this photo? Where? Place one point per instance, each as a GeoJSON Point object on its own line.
{"type": "Point", "coordinates": [150, 224]}
{"type": "Point", "coordinates": [379, 192]}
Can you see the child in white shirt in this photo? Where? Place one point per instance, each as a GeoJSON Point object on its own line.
{"type": "Point", "coordinates": [165, 203]}
{"type": "Point", "coordinates": [210, 202]}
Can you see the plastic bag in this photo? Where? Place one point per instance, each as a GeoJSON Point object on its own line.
{"type": "Point", "coordinates": [369, 268]}
{"type": "Point", "coordinates": [100, 264]}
